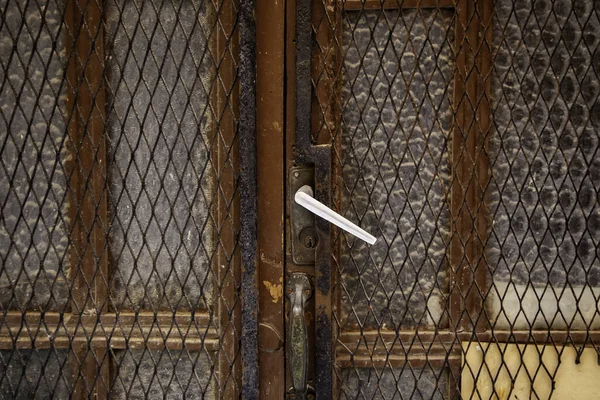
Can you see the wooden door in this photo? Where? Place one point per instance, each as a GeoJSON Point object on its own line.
{"type": "Point", "coordinates": [120, 221]}
{"type": "Point", "coordinates": [462, 134]}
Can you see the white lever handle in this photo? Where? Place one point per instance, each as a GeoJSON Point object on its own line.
{"type": "Point", "coordinates": [304, 197]}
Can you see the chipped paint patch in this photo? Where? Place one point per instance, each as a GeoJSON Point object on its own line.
{"type": "Point", "coordinates": [275, 290]}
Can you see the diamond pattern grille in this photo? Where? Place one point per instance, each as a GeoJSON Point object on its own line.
{"type": "Point", "coordinates": [119, 213]}
{"type": "Point", "coordinates": [465, 137]}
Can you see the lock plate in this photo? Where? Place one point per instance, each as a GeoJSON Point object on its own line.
{"type": "Point", "coordinates": [304, 236]}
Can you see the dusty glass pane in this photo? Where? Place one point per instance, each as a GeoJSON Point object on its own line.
{"type": "Point", "coordinates": [543, 245]}
{"type": "Point", "coordinates": [396, 120]}
{"type": "Point", "coordinates": [34, 266]}
{"type": "Point", "coordinates": [34, 374]}
{"type": "Point", "coordinates": [397, 383]}
{"type": "Point", "coordinates": [162, 375]}
{"type": "Point", "coordinates": [160, 75]}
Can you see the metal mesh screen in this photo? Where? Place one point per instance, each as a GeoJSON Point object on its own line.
{"type": "Point", "coordinates": [119, 212]}
{"type": "Point", "coordinates": [465, 136]}
{"type": "Point", "coordinates": [163, 181]}
{"type": "Point", "coordinates": [396, 120]}
{"type": "Point", "coordinates": [34, 229]}
{"type": "Point", "coordinates": [544, 160]}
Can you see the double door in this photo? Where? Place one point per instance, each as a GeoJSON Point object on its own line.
{"type": "Point", "coordinates": [151, 154]}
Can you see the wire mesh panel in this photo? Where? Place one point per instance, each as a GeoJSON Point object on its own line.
{"type": "Point", "coordinates": [164, 374]}
{"type": "Point", "coordinates": [465, 137]}
{"type": "Point", "coordinates": [119, 172]}
{"type": "Point", "coordinates": [395, 383]}
{"type": "Point", "coordinates": [162, 181]}
{"type": "Point", "coordinates": [544, 158]}
{"type": "Point", "coordinates": [393, 149]}
{"type": "Point", "coordinates": [34, 233]}
{"type": "Point", "coordinates": [396, 119]}
{"type": "Point", "coordinates": [34, 374]}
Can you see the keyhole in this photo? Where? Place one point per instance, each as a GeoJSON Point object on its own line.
{"type": "Point", "coordinates": [308, 238]}
{"type": "Point", "coordinates": [309, 242]}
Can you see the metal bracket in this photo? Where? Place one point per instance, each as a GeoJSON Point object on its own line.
{"type": "Point", "coordinates": [305, 238]}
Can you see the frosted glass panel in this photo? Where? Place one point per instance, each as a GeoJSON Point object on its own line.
{"type": "Point", "coordinates": [161, 176]}
{"type": "Point", "coordinates": [543, 245]}
{"type": "Point", "coordinates": [396, 120]}
{"type": "Point", "coordinates": [34, 238]}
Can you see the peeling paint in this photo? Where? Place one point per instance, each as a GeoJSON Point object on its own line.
{"type": "Point", "coordinates": [271, 261]}
{"type": "Point", "coordinates": [275, 290]}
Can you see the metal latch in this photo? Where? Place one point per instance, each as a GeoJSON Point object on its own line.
{"type": "Point", "coordinates": [304, 207]}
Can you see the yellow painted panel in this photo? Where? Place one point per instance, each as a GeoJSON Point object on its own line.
{"type": "Point", "coordinates": [500, 371]}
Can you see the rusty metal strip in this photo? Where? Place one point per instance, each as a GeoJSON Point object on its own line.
{"type": "Point", "coordinates": [320, 156]}
{"type": "Point", "coordinates": [50, 319]}
{"type": "Point", "coordinates": [248, 201]}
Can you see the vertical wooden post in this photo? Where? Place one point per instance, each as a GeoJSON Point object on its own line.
{"type": "Point", "coordinates": [470, 170]}
{"type": "Point", "coordinates": [88, 183]}
{"type": "Point", "coordinates": [270, 55]}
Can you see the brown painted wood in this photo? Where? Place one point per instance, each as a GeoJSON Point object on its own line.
{"type": "Point", "coordinates": [116, 331]}
{"type": "Point", "coordinates": [454, 373]}
{"type": "Point", "coordinates": [325, 70]}
{"type": "Point", "coordinates": [457, 250]}
{"type": "Point", "coordinates": [190, 344]}
{"type": "Point", "coordinates": [87, 131]}
{"type": "Point", "coordinates": [399, 342]}
{"type": "Point", "coordinates": [270, 19]}
{"type": "Point", "coordinates": [158, 329]}
{"type": "Point", "coordinates": [483, 171]}
{"type": "Point", "coordinates": [50, 320]}
{"type": "Point", "coordinates": [469, 179]}
{"type": "Point", "coordinates": [88, 330]}
{"type": "Point", "coordinates": [88, 196]}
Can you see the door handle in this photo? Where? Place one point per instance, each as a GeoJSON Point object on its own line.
{"type": "Point", "coordinates": [304, 197]}
{"type": "Point", "coordinates": [299, 291]}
